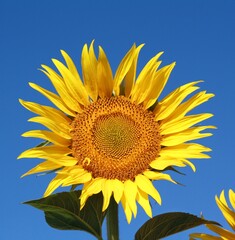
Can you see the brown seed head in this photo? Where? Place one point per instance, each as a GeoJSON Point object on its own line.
{"type": "Point", "coordinates": [115, 139]}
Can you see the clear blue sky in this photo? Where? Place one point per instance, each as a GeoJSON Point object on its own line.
{"type": "Point", "coordinates": [198, 35]}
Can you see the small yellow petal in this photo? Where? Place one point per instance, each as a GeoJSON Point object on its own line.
{"type": "Point", "coordinates": [45, 152]}
{"type": "Point", "coordinates": [104, 75]}
{"type": "Point", "coordinates": [126, 208]}
{"type": "Point", "coordinates": [131, 74]}
{"type": "Point", "coordinates": [48, 136]}
{"type": "Point", "coordinates": [225, 234]}
{"type": "Point", "coordinates": [56, 100]}
{"type": "Point", "coordinates": [107, 190]}
{"type": "Point", "coordinates": [46, 111]}
{"type": "Point", "coordinates": [142, 199]}
{"type": "Point", "coordinates": [168, 106]}
{"type": "Point", "coordinates": [42, 167]}
{"type": "Point", "coordinates": [185, 136]}
{"type": "Point", "coordinates": [179, 125]}
{"type": "Point", "coordinates": [190, 104]}
{"type": "Point", "coordinates": [118, 188]}
{"type": "Point", "coordinates": [146, 186]}
{"type": "Point", "coordinates": [158, 176]}
{"type": "Point", "coordinates": [123, 68]}
{"type": "Point", "coordinates": [54, 184]}
{"type": "Point", "coordinates": [80, 178]}
{"type": "Point", "coordinates": [89, 71]}
{"type": "Point", "coordinates": [143, 83]}
{"type": "Point", "coordinates": [162, 163]}
{"type": "Point", "coordinates": [226, 211]}
{"type": "Point", "coordinates": [92, 187]}
{"type": "Point", "coordinates": [159, 81]}
{"type": "Point", "coordinates": [187, 150]}
{"type": "Point", "coordinates": [74, 87]}
{"type": "Point", "coordinates": [64, 160]}
{"type": "Point", "coordinates": [203, 236]}
{"type": "Point", "coordinates": [130, 187]}
{"type": "Point", "coordinates": [92, 55]}
{"type": "Point", "coordinates": [61, 88]}
{"type": "Point", "coordinates": [232, 198]}
{"type": "Point", "coordinates": [71, 66]}
{"type": "Point", "coordinates": [60, 128]}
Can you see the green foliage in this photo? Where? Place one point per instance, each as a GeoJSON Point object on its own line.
{"type": "Point", "coordinates": [62, 211]}
{"type": "Point", "coordinates": [167, 224]}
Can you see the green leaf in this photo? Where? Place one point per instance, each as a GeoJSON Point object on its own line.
{"type": "Point", "coordinates": [167, 224]}
{"type": "Point", "coordinates": [62, 211]}
{"type": "Point", "coordinates": [44, 143]}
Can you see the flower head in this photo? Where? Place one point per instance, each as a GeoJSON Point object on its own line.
{"type": "Point", "coordinates": [112, 134]}
{"type": "Point", "coordinates": [229, 215]}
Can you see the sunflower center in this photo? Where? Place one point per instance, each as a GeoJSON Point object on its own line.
{"type": "Point", "coordinates": [115, 135]}
{"type": "Point", "coordinates": [115, 139]}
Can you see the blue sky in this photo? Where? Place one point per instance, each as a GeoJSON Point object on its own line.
{"type": "Point", "coordinates": [198, 35]}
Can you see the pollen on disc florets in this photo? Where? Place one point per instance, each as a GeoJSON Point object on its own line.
{"type": "Point", "coordinates": [114, 138]}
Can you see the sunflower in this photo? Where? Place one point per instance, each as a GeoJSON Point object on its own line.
{"type": "Point", "coordinates": [112, 134]}
{"type": "Point", "coordinates": [229, 215]}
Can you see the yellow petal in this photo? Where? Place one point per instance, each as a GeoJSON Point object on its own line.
{"type": "Point", "coordinates": [126, 208]}
{"type": "Point", "coordinates": [80, 178]}
{"type": "Point", "coordinates": [232, 198]}
{"type": "Point", "coordinates": [190, 104]}
{"type": "Point", "coordinates": [123, 68]}
{"type": "Point", "coordinates": [222, 199]}
{"type": "Point", "coordinates": [64, 161]}
{"type": "Point", "coordinates": [54, 184]}
{"type": "Point", "coordinates": [46, 111]}
{"type": "Point", "coordinates": [104, 75]}
{"type": "Point", "coordinates": [186, 135]}
{"type": "Point", "coordinates": [61, 88]}
{"type": "Point", "coordinates": [89, 71]}
{"type": "Point", "coordinates": [145, 79]}
{"type": "Point", "coordinates": [73, 171]}
{"type": "Point", "coordinates": [203, 236]}
{"type": "Point", "coordinates": [92, 187]}
{"type": "Point", "coordinates": [54, 99]}
{"type": "Point", "coordinates": [71, 66]}
{"type": "Point", "coordinates": [142, 199]}
{"type": "Point", "coordinates": [187, 150]}
{"type": "Point", "coordinates": [45, 152]}
{"type": "Point", "coordinates": [157, 176]}
{"type": "Point", "coordinates": [164, 108]}
{"type": "Point", "coordinates": [226, 211]}
{"type": "Point", "coordinates": [225, 234]}
{"type": "Point", "coordinates": [186, 122]}
{"type": "Point", "coordinates": [118, 188]}
{"type": "Point", "coordinates": [48, 136]}
{"type": "Point", "coordinates": [130, 192]}
{"type": "Point", "coordinates": [75, 88]}
{"type": "Point", "coordinates": [92, 55]}
{"type": "Point", "coordinates": [160, 79]}
{"type": "Point", "coordinates": [146, 186]}
{"type": "Point", "coordinates": [57, 127]}
{"type": "Point", "coordinates": [42, 167]}
{"type": "Point", "coordinates": [162, 163]}
{"type": "Point", "coordinates": [131, 74]}
{"type": "Point", "coordinates": [107, 190]}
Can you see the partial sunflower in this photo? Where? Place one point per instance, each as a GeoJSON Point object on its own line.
{"type": "Point", "coordinates": [112, 133]}
{"type": "Point", "coordinates": [229, 215]}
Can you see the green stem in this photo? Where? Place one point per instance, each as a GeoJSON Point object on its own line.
{"type": "Point", "coordinates": [112, 220]}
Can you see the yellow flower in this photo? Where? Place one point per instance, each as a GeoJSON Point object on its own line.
{"type": "Point", "coordinates": [229, 215]}
{"type": "Point", "coordinates": [112, 133]}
